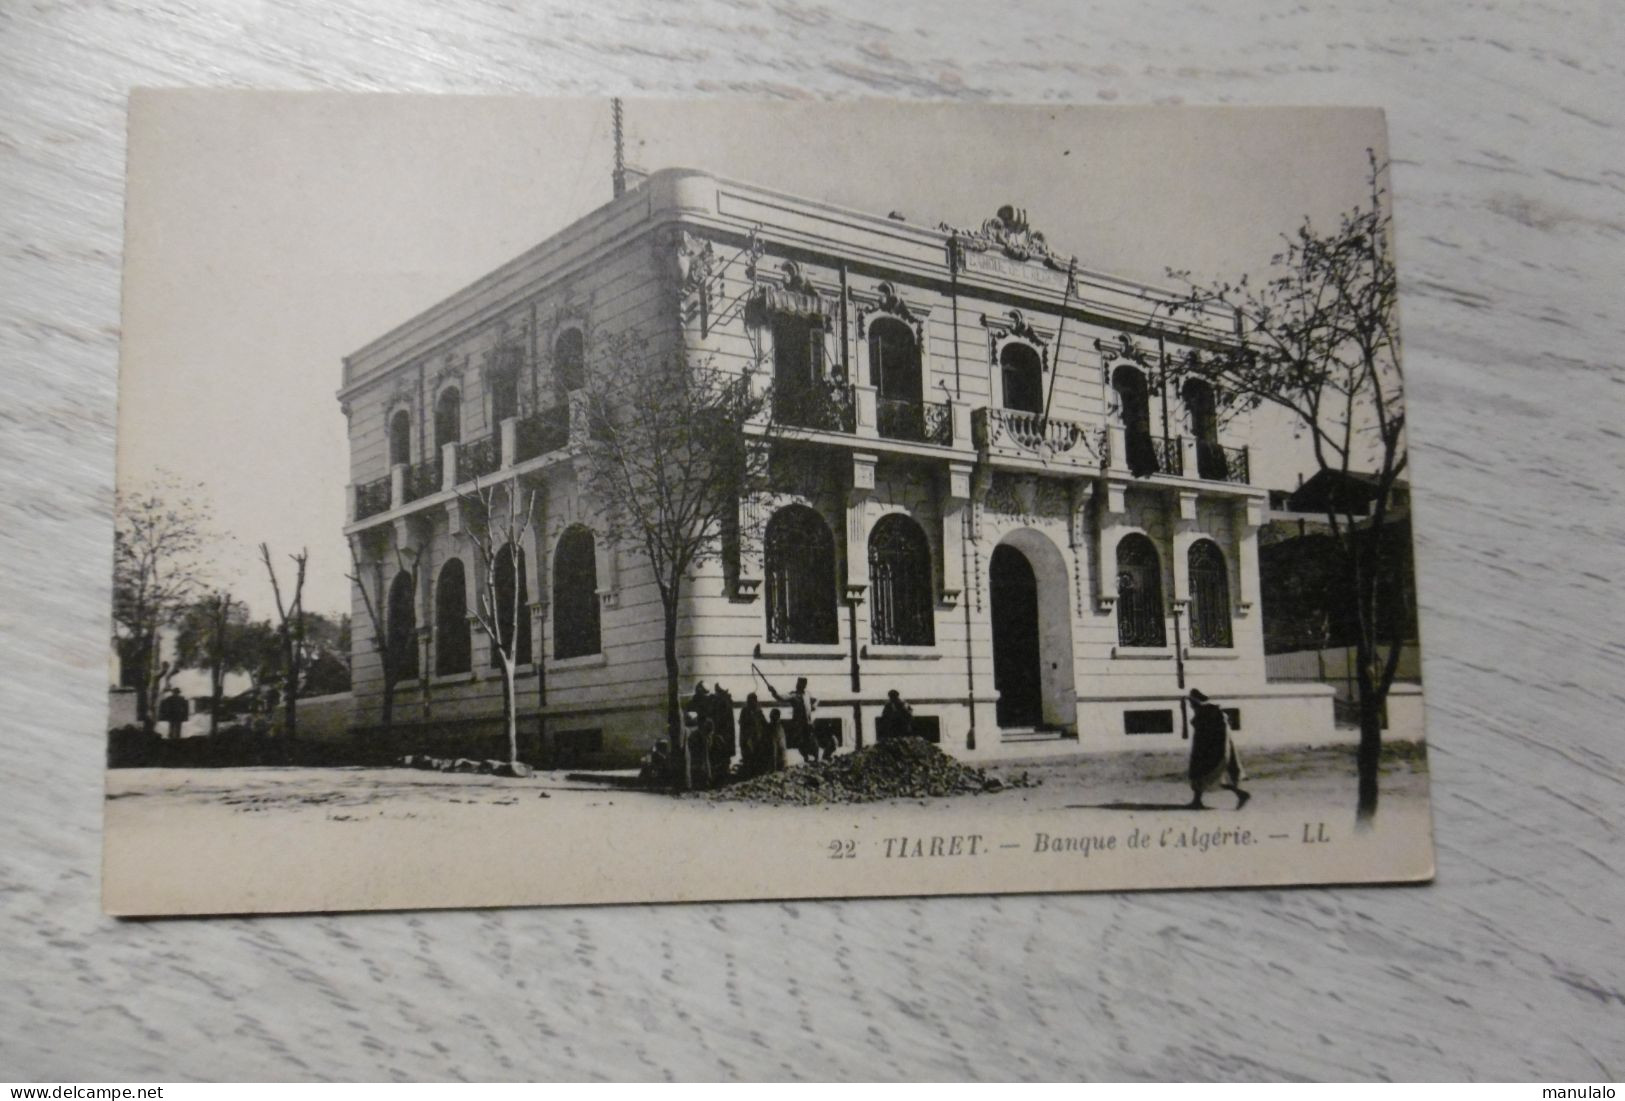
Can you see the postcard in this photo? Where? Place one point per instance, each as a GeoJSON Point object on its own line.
{"type": "Point", "coordinates": [549, 502]}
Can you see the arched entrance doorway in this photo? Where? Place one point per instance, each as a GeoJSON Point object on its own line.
{"type": "Point", "coordinates": [1014, 592]}
{"type": "Point", "coordinates": [1030, 604]}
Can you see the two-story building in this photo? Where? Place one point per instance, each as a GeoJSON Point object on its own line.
{"type": "Point", "coordinates": [1016, 523]}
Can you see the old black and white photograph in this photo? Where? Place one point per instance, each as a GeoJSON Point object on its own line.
{"type": "Point", "coordinates": [578, 501]}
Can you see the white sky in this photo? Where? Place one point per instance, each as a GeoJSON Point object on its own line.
{"type": "Point", "coordinates": [270, 234]}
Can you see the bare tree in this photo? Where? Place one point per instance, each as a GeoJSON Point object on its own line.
{"type": "Point", "coordinates": [388, 657]}
{"type": "Point", "coordinates": [1320, 339]}
{"type": "Point", "coordinates": [211, 637]}
{"type": "Point", "coordinates": [668, 464]}
{"type": "Point", "coordinates": [497, 527]}
{"type": "Point", "coordinates": [290, 634]}
{"type": "Point", "coordinates": [159, 536]}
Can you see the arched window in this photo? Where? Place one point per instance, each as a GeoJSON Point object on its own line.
{"type": "Point", "coordinates": [452, 644]}
{"type": "Point", "coordinates": [799, 554]}
{"type": "Point", "coordinates": [1210, 595]}
{"type": "Point", "coordinates": [1140, 619]}
{"type": "Point", "coordinates": [894, 360]}
{"type": "Point", "coordinates": [575, 595]}
{"type": "Point", "coordinates": [401, 628]}
{"type": "Point", "coordinates": [1204, 415]}
{"type": "Point", "coordinates": [400, 438]}
{"type": "Point", "coordinates": [1022, 371]}
{"type": "Point", "coordinates": [569, 362]}
{"type": "Point", "coordinates": [448, 418]}
{"type": "Point", "coordinates": [1136, 408]}
{"type": "Point", "coordinates": [507, 614]}
{"type": "Point", "coordinates": [504, 384]}
{"type": "Point", "coordinates": [900, 581]}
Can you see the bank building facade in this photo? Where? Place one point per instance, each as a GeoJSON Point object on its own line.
{"type": "Point", "coordinates": [1014, 522]}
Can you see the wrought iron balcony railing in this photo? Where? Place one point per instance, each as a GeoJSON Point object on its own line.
{"type": "Point", "coordinates": [422, 479]}
{"type": "Point", "coordinates": [540, 433]}
{"type": "Point", "coordinates": [827, 407]}
{"type": "Point", "coordinates": [371, 498]}
{"type": "Point", "coordinates": [1048, 437]}
{"type": "Point", "coordinates": [1148, 454]}
{"type": "Point", "coordinates": [477, 458]}
{"type": "Point", "coordinates": [919, 421]}
{"type": "Point", "coordinates": [1218, 463]}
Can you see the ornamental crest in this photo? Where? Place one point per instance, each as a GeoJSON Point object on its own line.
{"type": "Point", "coordinates": [1008, 232]}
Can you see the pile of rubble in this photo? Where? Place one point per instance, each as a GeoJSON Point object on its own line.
{"type": "Point", "coordinates": [464, 764]}
{"type": "Point", "coordinates": [902, 768]}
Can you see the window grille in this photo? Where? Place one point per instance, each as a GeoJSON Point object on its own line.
{"type": "Point", "coordinates": [799, 555]}
{"type": "Point", "coordinates": [575, 595]}
{"type": "Point", "coordinates": [901, 609]}
{"type": "Point", "coordinates": [1210, 595]}
{"type": "Point", "coordinates": [452, 641]}
{"type": "Point", "coordinates": [1140, 618]}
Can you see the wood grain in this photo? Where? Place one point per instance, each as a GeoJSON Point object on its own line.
{"type": "Point", "coordinates": [1506, 130]}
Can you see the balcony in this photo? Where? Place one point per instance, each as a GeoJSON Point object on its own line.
{"type": "Point", "coordinates": [1217, 463]}
{"type": "Point", "coordinates": [825, 408]}
{"type": "Point", "coordinates": [372, 498]}
{"type": "Point", "coordinates": [1143, 454]}
{"type": "Point", "coordinates": [915, 421]}
{"type": "Point", "coordinates": [539, 433]}
{"type": "Point", "coordinates": [1018, 433]}
{"type": "Point", "coordinates": [477, 458]}
{"type": "Point", "coordinates": [421, 479]}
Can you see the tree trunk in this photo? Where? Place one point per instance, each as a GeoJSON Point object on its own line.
{"type": "Point", "coordinates": [510, 711]}
{"type": "Point", "coordinates": [677, 736]}
{"type": "Point", "coordinates": [389, 699]}
{"type": "Point", "coordinates": [290, 693]}
{"type": "Point", "coordinates": [217, 682]}
{"type": "Point", "coordinates": [1369, 755]}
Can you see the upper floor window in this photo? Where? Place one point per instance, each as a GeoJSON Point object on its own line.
{"type": "Point", "coordinates": [504, 395]}
{"type": "Point", "coordinates": [1021, 370]}
{"type": "Point", "coordinates": [1210, 595]}
{"type": "Point", "coordinates": [894, 360]}
{"type": "Point", "coordinates": [400, 438]}
{"type": "Point", "coordinates": [575, 595]}
{"type": "Point", "coordinates": [1140, 616]}
{"type": "Point", "coordinates": [452, 642]}
{"type": "Point", "coordinates": [799, 560]}
{"type": "Point", "coordinates": [1134, 401]}
{"type": "Point", "coordinates": [448, 418]}
{"type": "Point", "coordinates": [569, 362]}
{"type": "Point", "coordinates": [1204, 417]}
{"type": "Point", "coordinates": [900, 584]}
{"type": "Point", "coordinates": [798, 352]}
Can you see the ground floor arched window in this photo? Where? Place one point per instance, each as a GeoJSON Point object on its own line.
{"type": "Point", "coordinates": [799, 555]}
{"type": "Point", "coordinates": [1210, 595]}
{"type": "Point", "coordinates": [507, 577]}
{"type": "Point", "coordinates": [576, 628]}
{"type": "Point", "coordinates": [901, 608]}
{"type": "Point", "coordinates": [452, 641]}
{"type": "Point", "coordinates": [401, 627]}
{"type": "Point", "coordinates": [1140, 618]}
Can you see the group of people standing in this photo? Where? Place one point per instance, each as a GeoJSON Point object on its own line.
{"type": "Point", "coordinates": [762, 738]}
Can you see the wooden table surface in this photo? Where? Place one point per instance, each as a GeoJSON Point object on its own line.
{"type": "Point", "coordinates": [1510, 175]}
